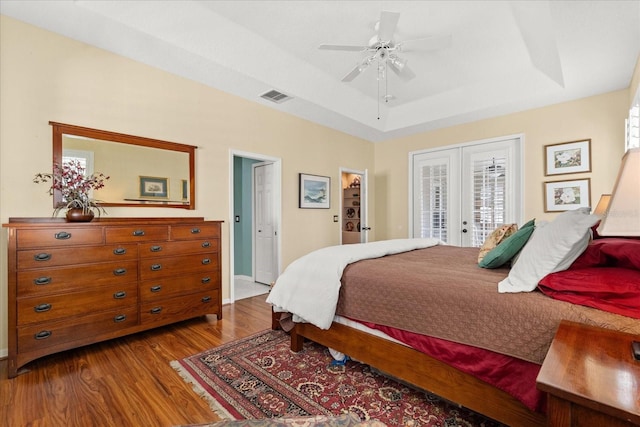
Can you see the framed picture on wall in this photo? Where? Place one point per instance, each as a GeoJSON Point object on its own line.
{"type": "Point", "coordinates": [567, 195]}
{"type": "Point", "coordinates": [568, 157]}
{"type": "Point", "coordinates": [314, 191]}
{"type": "Point", "coordinates": [154, 187]}
{"type": "Point", "coordinates": [185, 189]}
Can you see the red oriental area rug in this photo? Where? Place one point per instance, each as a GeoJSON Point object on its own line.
{"type": "Point", "coordinates": [260, 377]}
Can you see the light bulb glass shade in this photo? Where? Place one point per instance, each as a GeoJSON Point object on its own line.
{"type": "Point", "coordinates": [603, 204]}
{"type": "Point", "coordinates": [623, 216]}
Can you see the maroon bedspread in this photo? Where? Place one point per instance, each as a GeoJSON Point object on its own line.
{"type": "Point", "coordinates": [441, 292]}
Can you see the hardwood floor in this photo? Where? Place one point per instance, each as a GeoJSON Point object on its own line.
{"type": "Point", "coordinates": [127, 381]}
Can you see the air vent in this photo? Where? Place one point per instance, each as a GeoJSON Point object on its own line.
{"type": "Point", "coordinates": [275, 96]}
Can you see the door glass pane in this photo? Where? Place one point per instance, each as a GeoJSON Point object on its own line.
{"type": "Point", "coordinates": [433, 201]}
{"type": "Point", "coordinates": [489, 207]}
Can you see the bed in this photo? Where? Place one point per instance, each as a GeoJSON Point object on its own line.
{"type": "Point", "coordinates": [422, 314]}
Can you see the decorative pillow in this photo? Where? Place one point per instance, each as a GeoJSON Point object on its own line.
{"type": "Point", "coordinates": [552, 247]}
{"type": "Point", "coordinates": [612, 289]}
{"type": "Point", "coordinates": [494, 239]}
{"type": "Point", "coordinates": [610, 252]}
{"type": "Point", "coordinates": [509, 248]}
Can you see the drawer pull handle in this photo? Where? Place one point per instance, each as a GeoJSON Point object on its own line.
{"type": "Point", "coordinates": [120, 271]}
{"type": "Point", "coordinates": [206, 279]}
{"type": "Point", "coordinates": [42, 335]}
{"type": "Point", "coordinates": [120, 318]}
{"type": "Point", "coordinates": [42, 281]}
{"type": "Point", "coordinates": [156, 248]}
{"type": "Point", "coordinates": [206, 261]}
{"type": "Point", "coordinates": [120, 251]}
{"type": "Point", "coordinates": [156, 267]}
{"type": "Point", "coordinates": [42, 257]}
{"type": "Point", "coordinates": [156, 310]}
{"type": "Point", "coordinates": [206, 299]}
{"type": "Point", "coordinates": [138, 233]}
{"type": "Point", "coordinates": [195, 230]}
{"type": "Point", "coordinates": [120, 295]}
{"type": "Point", "coordinates": [63, 235]}
{"type": "Point", "coordinates": [206, 244]}
{"type": "Point", "coordinates": [156, 288]}
{"type": "Point", "coordinates": [41, 308]}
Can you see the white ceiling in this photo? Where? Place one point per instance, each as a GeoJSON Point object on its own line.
{"type": "Point", "coordinates": [504, 57]}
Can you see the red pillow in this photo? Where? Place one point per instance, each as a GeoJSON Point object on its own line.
{"type": "Point", "coordinates": [612, 289]}
{"type": "Point", "coordinates": [610, 252]}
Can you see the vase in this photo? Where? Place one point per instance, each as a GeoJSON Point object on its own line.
{"type": "Point", "coordinates": [78, 215]}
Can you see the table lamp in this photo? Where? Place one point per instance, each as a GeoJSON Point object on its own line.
{"type": "Point", "coordinates": [622, 218]}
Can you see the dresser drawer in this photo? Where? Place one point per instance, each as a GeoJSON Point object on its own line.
{"type": "Point", "coordinates": [55, 237]}
{"type": "Point", "coordinates": [53, 257]}
{"type": "Point", "coordinates": [49, 307]}
{"type": "Point", "coordinates": [38, 336]}
{"type": "Point", "coordinates": [172, 266]}
{"type": "Point", "coordinates": [136, 233]}
{"type": "Point", "coordinates": [154, 290]}
{"type": "Point", "coordinates": [179, 308]}
{"type": "Point", "coordinates": [160, 249]}
{"type": "Point", "coordinates": [195, 231]}
{"type": "Point", "coordinates": [47, 281]}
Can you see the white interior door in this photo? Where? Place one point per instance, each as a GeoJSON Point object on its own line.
{"type": "Point", "coordinates": [364, 207]}
{"type": "Point", "coordinates": [264, 229]}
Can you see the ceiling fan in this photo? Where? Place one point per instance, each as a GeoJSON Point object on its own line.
{"type": "Point", "coordinates": [384, 49]}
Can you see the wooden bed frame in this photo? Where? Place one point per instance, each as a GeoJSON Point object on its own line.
{"type": "Point", "coordinates": [418, 369]}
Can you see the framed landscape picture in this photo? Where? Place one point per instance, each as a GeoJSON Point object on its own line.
{"type": "Point", "coordinates": [568, 157]}
{"type": "Point", "coordinates": [567, 195]}
{"type": "Point", "coordinates": [154, 187]}
{"type": "Point", "coordinates": [314, 191]}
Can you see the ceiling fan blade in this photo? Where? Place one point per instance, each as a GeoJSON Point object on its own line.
{"type": "Point", "coordinates": [399, 67]}
{"type": "Point", "coordinates": [387, 25]}
{"type": "Point", "coordinates": [347, 48]}
{"type": "Point", "coordinates": [426, 44]}
{"type": "Point", "coordinates": [355, 72]}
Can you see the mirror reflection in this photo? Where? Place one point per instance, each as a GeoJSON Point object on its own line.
{"type": "Point", "coordinates": [143, 171]}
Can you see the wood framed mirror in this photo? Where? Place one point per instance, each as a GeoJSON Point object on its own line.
{"type": "Point", "coordinates": [143, 172]}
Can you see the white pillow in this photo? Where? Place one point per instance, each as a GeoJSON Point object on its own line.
{"type": "Point", "coordinates": [552, 247]}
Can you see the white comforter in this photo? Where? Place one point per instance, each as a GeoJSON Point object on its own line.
{"type": "Point", "coordinates": [309, 286]}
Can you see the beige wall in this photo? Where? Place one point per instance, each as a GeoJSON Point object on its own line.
{"type": "Point", "coordinates": [45, 77]}
{"type": "Point", "coordinates": [600, 118]}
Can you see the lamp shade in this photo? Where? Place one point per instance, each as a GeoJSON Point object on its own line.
{"type": "Point", "coordinates": [623, 216]}
{"type": "Point", "coordinates": [603, 204]}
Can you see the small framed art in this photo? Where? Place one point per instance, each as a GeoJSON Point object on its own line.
{"type": "Point", "coordinates": [185, 189]}
{"type": "Point", "coordinates": [568, 157]}
{"type": "Point", "coordinates": [314, 191]}
{"type": "Point", "coordinates": [154, 187]}
{"type": "Point", "coordinates": [567, 195]}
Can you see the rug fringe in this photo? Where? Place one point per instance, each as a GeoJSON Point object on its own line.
{"type": "Point", "coordinates": [215, 406]}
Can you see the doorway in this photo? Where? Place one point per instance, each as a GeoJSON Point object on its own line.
{"type": "Point", "coordinates": [461, 194]}
{"type": "Point", "coordinates": [353, 206]}
{"type": "Point", "coordinates": [255, 204]}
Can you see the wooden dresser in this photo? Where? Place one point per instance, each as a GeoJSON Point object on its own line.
{"type": "Point", "coordinates": [72, 284]}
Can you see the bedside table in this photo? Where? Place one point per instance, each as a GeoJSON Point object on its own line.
{"type": "Point", "coordinates": [591, 378]}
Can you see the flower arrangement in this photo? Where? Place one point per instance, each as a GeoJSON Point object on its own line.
{"type": "Point", "coordinates": [75, 186]}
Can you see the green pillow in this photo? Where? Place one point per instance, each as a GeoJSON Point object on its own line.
{"type": "Point", "coordinates": [508, 248]}
{"type": "Point", "coordinates": [529, 223]}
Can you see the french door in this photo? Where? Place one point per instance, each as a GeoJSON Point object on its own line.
{"type": "Point", "coordinates": [461, 194]}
